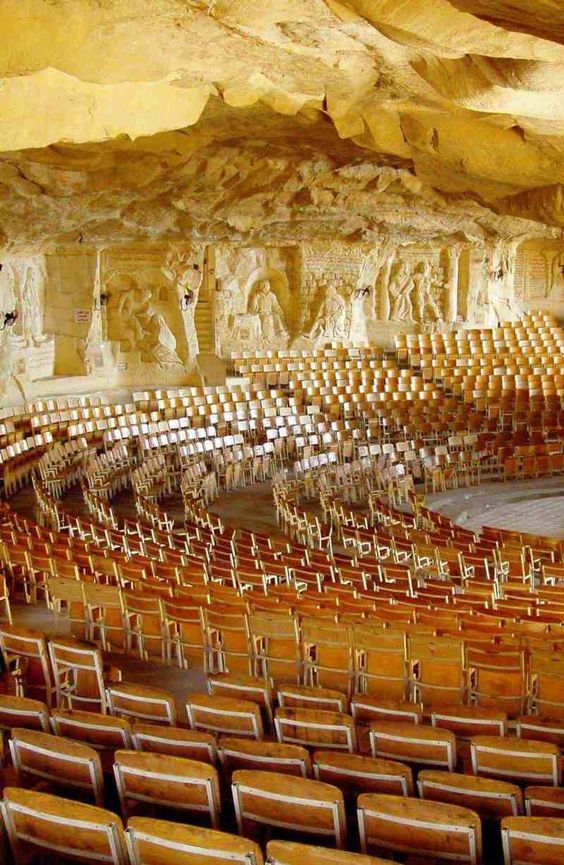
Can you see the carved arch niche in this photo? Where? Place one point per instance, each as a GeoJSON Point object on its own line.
{"type": "Point", "coordinates": [257, 299]}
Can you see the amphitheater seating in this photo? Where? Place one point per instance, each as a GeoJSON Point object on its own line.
{"type": "Point", "coordinates": [374, 626]}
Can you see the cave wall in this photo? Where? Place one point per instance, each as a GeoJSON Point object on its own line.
{"type": "Point", "coordinates": [129, 315]}
{"type": "Point", "coordinates": [539, 276]}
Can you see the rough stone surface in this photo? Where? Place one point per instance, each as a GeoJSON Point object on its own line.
{"type": "Point", "coordinates": [189, 177]}
{"type": "Point", "coordinates": [240, 119]}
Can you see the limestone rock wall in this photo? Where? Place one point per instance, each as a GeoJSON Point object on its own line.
{"type": "Point", "coordinates": [539, 276]}
{"type": "Point", "coordinates": [129, 315]}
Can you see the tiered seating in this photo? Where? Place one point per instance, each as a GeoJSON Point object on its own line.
{"type": "Point", "coordinates": [381, 650]}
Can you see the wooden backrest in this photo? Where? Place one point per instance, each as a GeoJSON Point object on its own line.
{"type": "Point", "coordinates": [173, 782]}
{"type": "Point", "coordinates": [354, 773]}
{"type": "Point", "coordinates": [266, 756]}
{"type": "Point", "coordinates": [412, 826]}
{"type": "Point", "coordinates": [249, 688]}
{"type": "Point", "coordinates": [57, 760]}
{"type": "Point", "coordinates": [544, 802]}
{"type": "Point", "coordinates": [492, 799]}
{"type": "Point", "coordinates": [521, 760]}
{"type": "Point", "coordinates": [316, 728]}
{"type": "Point", "coordinates": [176, 741]}
{"type": "Point", "coordinates": [78, 672]}
{"type": "Point", "coordinates": [150, 841]}
{"type": "Point", "coordinates": [293, 853]}
{"type": "Point", "coordinates": [300, 697]}
{"type": "Point", "coordinates": [532, 840]}
{"type": "Point", "coordinates": [366, 708]}
{"type": "Point", "coordinates": [299, 804]}
{"type": "Point", "coordinates": [33, 822]}
{"type": "Point", "coordinates": [23, 712]}
{"type": "Point", "coordinates": [413, 743]}
{"type": "Point", "coordinates": [101, 732]}
{"type": "Point", "coordinates": [224, 715]}
{"type": "Point", "coordinates": [25, 652]}
{"type": "Point", "coordinates": [467, 721]}
{"type": "Point", "coordinates": [141, 703]}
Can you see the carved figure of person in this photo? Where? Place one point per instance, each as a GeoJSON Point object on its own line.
{"type": "Point", "coordinates": [32, 319]}
{"type": "Point", "coordinates": [424, 280]}
{"type": "Point", "coordinates": [332, 316]}
{"type": "Point", "coordinates": [400, 288]}
{"type": "Point", "coordinates": [266, 305]}
{"type": "Point", "coordinates": [136, 323]}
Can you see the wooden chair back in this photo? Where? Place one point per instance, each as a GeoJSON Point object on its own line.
{"type": "Point", "coordinates": [59, 761]}
{"type": "Point", "coordinates": [33, 824]}
{"type": "Point", "coordinates": [141, 703]}
{"type": "Point", "coordinates": [225, 715]}
{"type": "Point", "coordinates": [175, 741]}
{"type": "Point", "coordinates": [171, 782]}
{"type": "Point", "coordinates": [297, 804]}
{"type": "Point", "coordinates": [397, 824]}
{"type": "Point", "coordinates": [168, 843]}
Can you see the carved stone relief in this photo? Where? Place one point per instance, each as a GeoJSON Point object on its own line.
{"type": "Point", "coordinates": [258, 297]}
{"type": "Point", "coordinates": [539, 275]}
{"type": "Point", "coordinates": [416, 288]}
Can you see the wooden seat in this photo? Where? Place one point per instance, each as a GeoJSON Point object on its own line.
{"type": "Point", "coordinates": [292, 853]}
{"type": "Point", "coordinates": [183, 627]}
{"type": "Point", "coordinates": [22, 712]}
{"type": "Point", "coordinates": [143, 621]}
{"type": "Point", "coordinates": [496, 678]}
{"type": "Point", "coordinates": [24, 652]}
{"type": "Point", "coordinates": [275, 644]}
{"type": "Point", "coordinates": [437, 670]}
{"type": "Point", "coordinates": [141, 703]}
{"type": "Point", "coordinates": [243, 687]}
{"type": "Point", "coordinates": [532, 840]}
{"type": "Point", "coordinates": [490, 798]}
{"type": "Point", "coordinates": [305, 697]}
{"type": "Point", "coordinates": [411, 743]}
{"type": "Point", "coordinates": [544, 802]}
{"type": "Point", "coordinates": [366, 708]}
{"type": "Point", "coordinates": [354, 773]}
{"type": "Point", "coordinates": [316, 728]}
{"type": "Point", "coordinates": [150, 841]}
{"type": "Point", "coordinates": [227, 646]}
{"type": "Point", "coordinates": [168, 782]}
{"type": "Point", "coordinates": [33, 824]}
{"type": "Point", "coordinates": [101, 732]}
{"type": "Point", "coordinates": [224, 715]}
{"type": "Point", "coordinates": [468, 721]}
{"type": "Point", "coordinates": [237, 754]}
{"type": "Point", "coordinates": [59, 761]}
{"type": "Point", "coordinates": [176, 741]}
{"type": "Point", "coordinates": [297, 804]}
{"type": "Point", "coordinates": [79, 675]}
{"type": "Point", "coordinates": [103, 609]}
{"type": "Point", "coordinates": [541, 729]}
{"type": "Point", "coordinates": [380, 663]}
{"type": "Point", "coordinates": [412, 826]}
{"type": "Point", "coordinates": [521, 760]}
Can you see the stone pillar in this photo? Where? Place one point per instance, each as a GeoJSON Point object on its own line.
{"type": "Point", "coordinates": [384, 295]}
{"type": "Point", "coordinates": [451, 300]}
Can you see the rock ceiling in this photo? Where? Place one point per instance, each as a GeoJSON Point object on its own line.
{"type": "Point", "coordinates": [280, 119]}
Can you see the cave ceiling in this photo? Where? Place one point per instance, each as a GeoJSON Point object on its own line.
{"type": "Point", "coordinates": [280, 120]}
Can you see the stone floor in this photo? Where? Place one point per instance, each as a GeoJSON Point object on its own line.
{"type": "Point", "coordinates": [535, 506]}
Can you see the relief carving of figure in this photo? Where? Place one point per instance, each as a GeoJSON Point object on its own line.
{"type": "Point", "coordinates": [266, 305]}
{"type": "Point", "coordinates": [32, 318]}
{"type": "Point", "coordinates": [427, 280]}
{"type": "Point", "coordinates": [400, 288]}
{"type": "Point", "coordinates": [137, 324]}
{"type": "Point", "coordinates": [332, 316]}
